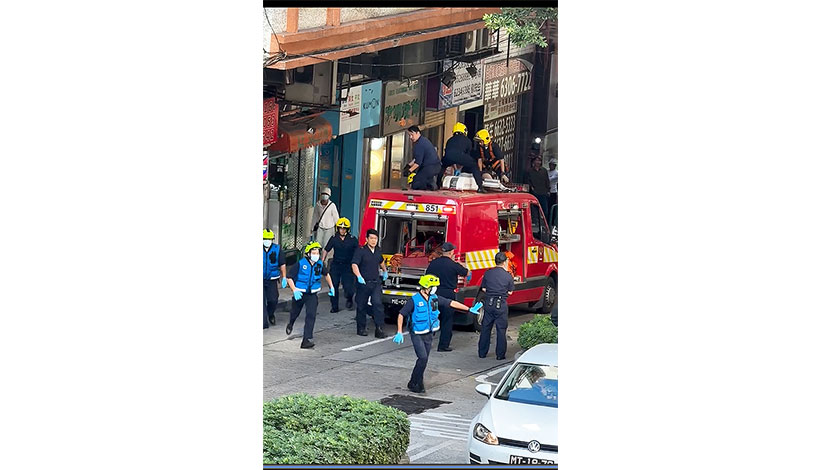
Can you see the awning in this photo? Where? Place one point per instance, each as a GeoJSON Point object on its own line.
{"type": "Point", "coordinates": [294, 136]}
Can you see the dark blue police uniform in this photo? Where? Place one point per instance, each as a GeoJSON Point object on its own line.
{"type": "Point", "coordinates": [448, 271]}
{"type": "Point", "coordinates": [307, 279]}
{"type": "Point", "coordinates": [428, 163]}
{"type": "Point", "coordinates": [340, 267]}
{"type": "Point", "coordinates": [368, 263]}
{"type": "Point", "coordinates": [271, 273]}
{"type": "Point", "coordinates": [498, 283]}
{"type": "Point", "coordinates": [458, 151]}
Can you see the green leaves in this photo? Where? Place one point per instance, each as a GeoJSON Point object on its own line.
{"type": "Point", "coordinates": [537, 331]}
{"type": "Point", "coordinates": [301, 429]}
{"type": "Point", "coordinates": [522, 24]}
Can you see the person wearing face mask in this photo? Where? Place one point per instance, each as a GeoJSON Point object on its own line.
{"type": "Point", "coordinates": [305, 282]}
{"type": "Point", "coordinates": [274, 271]}
{"type": "Point", "coordinates": [344, 245]}
{"type": "Point", "coordinates": [326, 215]}
{"type": "Point", "coordinates": [423, 312]}
{"type": "Point", "coordinates": [497, 286]}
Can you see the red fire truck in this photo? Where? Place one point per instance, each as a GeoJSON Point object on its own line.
{"type": "Point", "coordinates": [413, 225]}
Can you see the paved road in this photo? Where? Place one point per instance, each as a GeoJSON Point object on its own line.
{"type": "Point", "coordinates": [342, 363]}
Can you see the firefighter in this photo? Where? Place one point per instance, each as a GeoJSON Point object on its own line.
{"type": "Point", "coordinates": [490, 157]}
{"type": "Point", "coordinates": [274, 271]}
{"type": "Point", "coordinates": [344, 245]}
{"type": "Point", "coordinates": [423, 314]}
{"type": "Point", "coordinates": [426, 166]}
{"type": "Point", "coordinates": [458, 151]}
{"type": "Point", "coordinates": [497, 285]}
{"type": "Point", "coordinates": [305, 282]}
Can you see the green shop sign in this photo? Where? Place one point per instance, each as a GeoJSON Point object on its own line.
{"type": "Point", "coordinates": [402, 106]}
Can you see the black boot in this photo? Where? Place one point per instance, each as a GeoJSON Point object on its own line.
{"type": "Point", "coordinates": [349, 303]}
{"type": "Point", "coordinates": [306, 344]}
{"type": "Point", "coordinates": [289, 329]}
{"type": "Point", "coordinates": [379, 333]}
{"type": "Point", "coordinates": [272, 320]}
{"type": "Point", "coordinates": [361, 332]}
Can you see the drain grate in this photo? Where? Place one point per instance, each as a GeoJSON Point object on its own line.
{"type": "Point", "coordinates": [411, 404]}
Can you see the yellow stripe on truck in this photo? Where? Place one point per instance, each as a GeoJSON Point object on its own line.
{"type": "Point", "coordinates": [398, 292]}
{"type": "Point", "coordinates": [482, 259]}
{"type": "Point", "coordinates": [412, 206]}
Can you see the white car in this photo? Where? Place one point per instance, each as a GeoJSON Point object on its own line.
{"type": "Point", "coordinates": [518, 425]}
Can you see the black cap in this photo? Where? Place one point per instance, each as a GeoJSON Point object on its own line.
{"type": "Point", "coordinates": [447, 247]}
{"type": "Point", "coordinates": [501, 257]}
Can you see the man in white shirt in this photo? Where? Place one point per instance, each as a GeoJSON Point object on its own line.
{"type": "Point", "coordinates": [325, 217]}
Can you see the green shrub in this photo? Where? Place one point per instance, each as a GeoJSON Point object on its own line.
{"type": "Point", "coordinates": [301, 429]}
{"type": "Point", "coordinates": [537, 331]}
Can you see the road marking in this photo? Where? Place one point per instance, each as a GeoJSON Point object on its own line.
{"type": "Point", "coordinates": [445, 416]}
{"type": "Point", "coordinates": [367, 344]}
{"type": "Point", "coordinates": [483, 378]}
{"type": "Point", "coordinates": [414, 447]}
{"type": "Point", "coordinates": [430, 450]}
{"type": "Point", "coordinates": [443, 425]}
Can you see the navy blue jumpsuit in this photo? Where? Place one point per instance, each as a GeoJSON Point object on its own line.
{"type": "Point", "coordinates": [498, 283]}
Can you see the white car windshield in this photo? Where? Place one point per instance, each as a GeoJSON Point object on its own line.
{"type": "Point", "coordinates": [534, 384]}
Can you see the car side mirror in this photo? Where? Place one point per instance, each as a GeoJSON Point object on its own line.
{"type": "Point", "coordinates": [484, 389]}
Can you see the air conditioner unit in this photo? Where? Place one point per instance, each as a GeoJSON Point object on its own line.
{"type": "Point", "coordinates": [470, 40]}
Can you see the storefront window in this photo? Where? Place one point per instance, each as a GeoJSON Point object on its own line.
{"type": "Point", "coordinates": [397, 160]}
{"type": "Point", "coordinates": [377, 163]}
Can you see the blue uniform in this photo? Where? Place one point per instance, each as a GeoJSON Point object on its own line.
{"type": "Point", "coordinates": [307, 279]}
{"type": "Point", "coordinates": [458, 151]}
{"type": "Point", "coordinates": [428, 163]}
{"type": "Point", "coordinates": [447, 271]}
{"type": "Point", "coordinates": [368, 263]}
{"type": "Point", "coordinates": [424, 322]}
{"type": "Point", "coordinates": [340, 267]}
{"type": "Point", "coordinates": [497, 282]}
{"type": "Point", "coordinates": [271, 272]}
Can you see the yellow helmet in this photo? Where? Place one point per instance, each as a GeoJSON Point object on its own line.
{"type": "Point", "coordinates": [311, 247]}
{"type": "Point", "coordinates": [483, 136]}
{"type": "Point", "coordinates": [268, 235]}
{"type": "Point", "coordinates": [459, 127]}
{"type": "Point", "coordinates": [343, 222]}
{"type": "Point", "coordinates": [429, 280]}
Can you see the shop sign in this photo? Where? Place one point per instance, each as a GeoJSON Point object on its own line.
{"type": "Point", "coordinates": [351, 101]}
{"type": "Point", "coordinates": [503, 131]}
{"type": "Point", "coordinates": [402, 106]}
{"type": "Point", "coordinates": [464, 89]}
{"type": "Point", "coordinates": [503, 81]}
{"type": "Point", "coordinates": [498, 108]}
{"type": "Point", "coordinates": [371, 109]}
{"type": "Point", "coordinates": [269, 121]}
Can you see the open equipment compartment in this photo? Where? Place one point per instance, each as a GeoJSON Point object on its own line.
{"type": "Point", "coordinates": [412, 236]}
{"type": "Point", "coordinates": [511, 234]}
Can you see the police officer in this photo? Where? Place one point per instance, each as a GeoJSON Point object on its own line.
{"type": "Point", "coordinates": [345, 246]}
{"type": "Point", "coordinates": [498, 285]}
{"type": "Point", "coordinates": [458, 151]}
{"type": "Point", "coordinates": [368, 266]}
{"type": "Point", "coordinates": [423, 314]}
{"type": "Point", "coordinates": [447, 270]}
{"type": "Point", "coordinates": [274, 271]}
{"type": "Point", "coordinates": [305, 282]}
{"type": "Point", "coordinates": [426, 166]}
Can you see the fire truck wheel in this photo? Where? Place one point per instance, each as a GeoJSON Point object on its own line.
{"type": "Point", "coordinates": [549, 296]}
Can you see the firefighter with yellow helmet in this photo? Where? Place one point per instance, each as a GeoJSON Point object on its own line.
{"type": "Point", "coordinates": [458, 151]}
{"type": "Point", "coordinates": [274, 271]}
{"type": "Point", "coordinates": [305, 282]}
{"type": "Point", "coordinates": [490, 157]}
{"type": "Point", "coordinates": [423, 312]}
{"type": "Point", "coordinates": [343, 245]}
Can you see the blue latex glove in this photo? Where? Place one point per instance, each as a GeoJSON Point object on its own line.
{"type": "Point", "coordinates": [384, 275]}
{"type": "Point", "coordinates": [297, 295]}
{"type": "Point", "coordinates": [457, 172]}
{"type": "Point", "coordinates": [284, 283]}
{"type": "Point", "coordinates": [332, 291]}
{"type": "Point", "coordinates": [475, 308]}
{"type": "Point", "coordinates": [469, 276]}
{"type": "Point", "coordinates": [361, 280]}
{"type": "Point", "coordinates": [398, 338]}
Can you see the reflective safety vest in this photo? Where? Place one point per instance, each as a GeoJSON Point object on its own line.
{"type": "Point", "coordinates": [309, 276]}
{"type": "Point", "coordinates": [425, 316]}
{"type": "Point", "coordinates": [271, 262]}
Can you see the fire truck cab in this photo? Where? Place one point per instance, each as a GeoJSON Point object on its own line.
{"type": "Point", "coordinates": [413, 225]}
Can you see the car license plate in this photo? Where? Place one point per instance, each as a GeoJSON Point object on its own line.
{"type": "Point", "coordinates": [517, 460]}
{"type": "Point", "coordinates": [398, 301]}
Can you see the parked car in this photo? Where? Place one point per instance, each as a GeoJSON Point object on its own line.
{"type": "Point", "coordinates": [518, 425]}
{"type": "Point", "coordinates": [413, 225]}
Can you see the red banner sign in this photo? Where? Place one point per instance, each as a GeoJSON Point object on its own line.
{"type": "Point", "coordinates": [269, 121]}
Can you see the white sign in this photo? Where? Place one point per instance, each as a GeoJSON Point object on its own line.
{"type": "Point", "coordinates": [465, 88]}
{"type": "Point", "coordinates": [351, 101]}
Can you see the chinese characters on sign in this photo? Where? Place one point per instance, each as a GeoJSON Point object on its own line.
{"type": "Point", "coordinates": [498, 108]}
{"type": "Point", "coordinates": [269, 121]}
{"type": "Point", "coordinates": [501, 81]}
{"type": "Point", "coordinates": [464, 89]}
{"type": "Point", "coordinates": [503, 131]}
{"type": "Point", "coordinates": [351, 102]}
{"type": "Point", "coordinates": [402, 106]}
